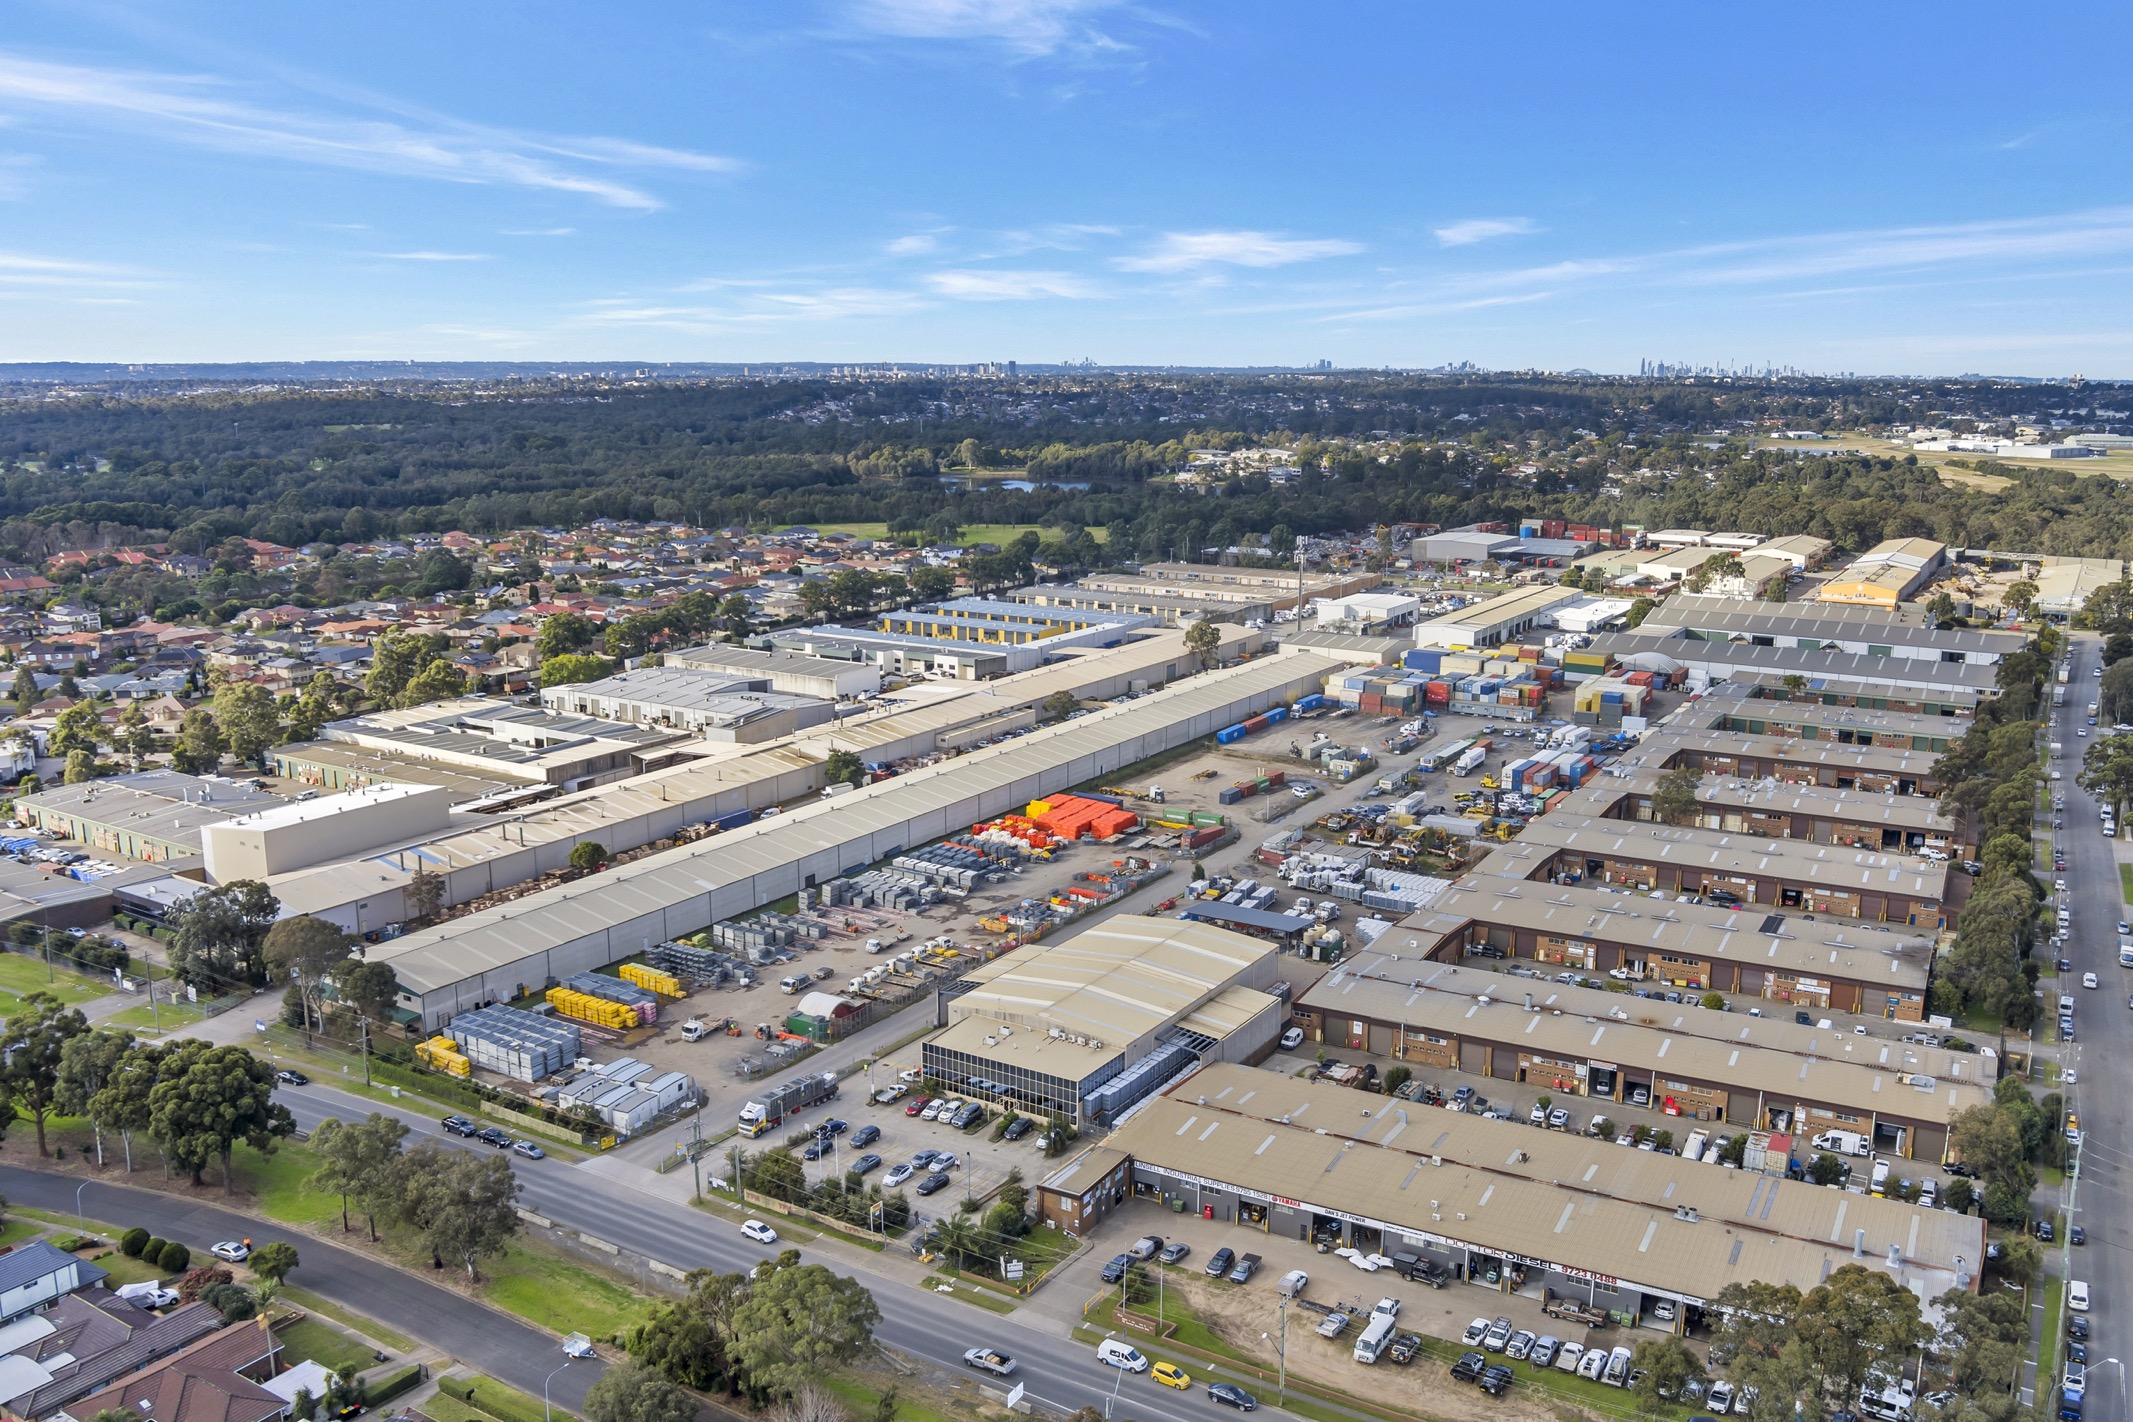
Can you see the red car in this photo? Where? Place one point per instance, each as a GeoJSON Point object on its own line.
{"type": "Point", "coordinates": [918, 1104]}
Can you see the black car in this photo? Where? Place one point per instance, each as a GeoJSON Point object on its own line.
{"type": "Point", "coordinates": [1803, 1019]}
{"type": "Point", "coordinates": [933, 1184]}
{"type": "Point", "coordinates": [290, 1076]}
{"type": "Point", "coordinates": [1022, 1126]}
{"type": "Point", "coordinates": [923, 1159]}
{"type": "Point", "coordinates": [2045, 1232]}
{"type": "Point", "coordinates": [834, 1127]}
{"type": "Point", "coordinates": [2078, 1353]}
{"type": "Point", "coordinates": [865, 1163]}
{"type": "Point", "coordinates": [2077, 1234]}
{"type": "Point", "coordinates": [1496, 1381]}
{"type": "Point", "coordinates": [495, 1136]}
{"type": "Point", "coordinates": [1218, 1263]}
{"type": "Point", "coordinates": [816, 1148]}
{"type": "Point", "coordinates": [1234, 1395]}
{"type": "Point", "coordinates": [1115, 1270]}
{"type": "Point", "coordinates": [458, 1126]}
{"type": "Point", "coordinates": [866, 1135]}
{"type": "Point", "coordinates": [2077, 1327]}
{"type": "Point", "coordinates": [1469, 1367]}
{"type": "Point", "coordinates": [1958, 1168]}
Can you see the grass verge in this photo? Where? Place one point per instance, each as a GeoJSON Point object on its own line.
{"type": "Point", "coordinates": [2125, 882]}
{"type": "Point", "coordinates": [164, 1017]}
{"type": "Point", "coordinates": [557, 1294]}
{"type": "Point", "coordinates": [969, 1293]}
{"type": "Point", "coordinates": [862, 1397]}
{"type": "Point", "coordinates": [323, 1343]}
{"type": "Point", "coordinates": [369, 1328]}
{"type": "Point", "coordinates": [23, 975]}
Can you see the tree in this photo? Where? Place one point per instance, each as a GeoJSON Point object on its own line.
{"type": "Point", "coordinates": [1991, 1140]}
{"type": "Point", "coordinates": [1060, 705]}
{"type": "Point", "coordinates": [2107, 772]}
{"type": "Point", "coordinates": [1668, 1367]}
{"type": "Point", "coordinates": [200, 743]}
{"type": "Point", "coordinates": [31, 1052]}
{"type": "Point", "coordinates": [24, 691]}
{"type": "Point", "coordinates": [1852, 1320]}
{"type": "Point", "coordinates": [210, 1098]}
{"type": "Point", "coordinates": [777, 1173]}
{"type": "Point", "coordinates": [136, 736]}
{"type": "Point", "coordinates": [2114, 696]}
{"type": "Point", "coordinates": [1754, 1320]}
{"type": "Point", "coordinates": [568, 671]}
{"type": "Point", "coordinates": [688, 1339]}
{"type": "Point", "coordinates": [565, 634]}
{"type": "Point", "coordinates": [1202, 639]}
{"type": "Point", "coordinates": [81, 767]}
{"type": "Point", "coordinates": [1940, 607]}
{"type": "Point", "coordinates": [1794, 684]}
{"type": "Point", "coordinates": [86, 1065]}
{"type": "Point", "coordinates": [305, 951]}
{"type": "Point", "coordinates": [797, 1322]}
{"type": "Point", "coordinates": [931, 584]}
{"type": "Point", "coordinates": [438, 681]}
{"type": "Point", "coordinates": [2022, 596]}
{"type": "Point", "coordinates": [368, 989]}
{"type": "Point", "coordinates": [1674, 797]}
{"type": "Point", "coordinates": [250, 722]}
{"type": "Point", "coordinates": [466, 1206]}
{"type": "Point", "coordinates": [632, 1392]}
{"type": "Point", "coordinates": [1639, 610]}
{"type": "Point", "coordinates": [78, 728]}
{"type": "Point", "coordinates": [274, 1261]}
{"type": "Point", "coordinates": [360, 1161]}
{"type": "Point", "coordinates": [425, 895]}
{"type": "Point", "coordinates": [396, 659]}
{"type": "Point", "coordinates": [1825, 1169]}
{"type": "Point", "coordinates": [843, 767]}
{"type": "Point", "coordinates": [587, 856]}
{"type": "Point", "coordinates": [736, 613]}
{"type": "Point", "coordinates": [217, 934]}
{"type": "Point", "coordinates": [121, 1103]}
{"type": "Point", "coordinates": [815, 1403]}
{"type": "Point", "coordinates": [1397, 1077]}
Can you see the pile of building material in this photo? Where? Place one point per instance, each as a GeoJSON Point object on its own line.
{"type": "Point", "coordinates": [643, 1000]}
{"type": "Point", "coordinates": [691, 963]}
{"type": "Point", "coordinates": [599, 1011]}
{"type": "Point", "coordinates": [525, 1046]}
{"type": "Point", "coordinates": [442, 1054]}
{"type": "Point", "coordinates": [652, 980]}
{"type": "Point", "coordinates": [766, 930]}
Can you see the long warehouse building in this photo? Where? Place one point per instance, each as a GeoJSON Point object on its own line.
{"type": "Point", "coordinates": [500, 953]}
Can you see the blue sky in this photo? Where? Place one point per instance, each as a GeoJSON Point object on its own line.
{"type": "Point", "coordinates": [1880, 187]}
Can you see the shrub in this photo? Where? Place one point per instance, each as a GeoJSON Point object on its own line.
{"type": "Point", "coordinates": [460, 1388]}
{"type": "Point", "coordinates": [133, 1241]}
{"type": "Point", "coordinates": [393, 1384]}
{"type": "Point", "coordinates": [152, 1251]}
{"type": "Point", "coordinates": [234, 1302]}
{"type": "Point", "coordinates": [197, 1282]}
{"type": "Point", "coordinates": [175, 1258]}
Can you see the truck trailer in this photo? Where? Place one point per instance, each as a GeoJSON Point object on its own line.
{"type": "Point", "coordinates": [768, 1111]}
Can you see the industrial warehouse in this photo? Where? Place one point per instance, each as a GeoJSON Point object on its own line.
{"type": "Point", "coordinates": [1677, 1059]}
{"type": "Point", "coordinates": [1528, 1212]}
{"type": "Point", "coordinates": [1087, 1027]}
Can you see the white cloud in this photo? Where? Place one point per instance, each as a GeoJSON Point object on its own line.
{"type": "Point", "coordinates": [539, 232]}
{"type": "Point", "coordinates": [433, 256]}
{"type": "Point", "coordinates": [26, 269]}
{"type": "Point", "coordinates": [1030, 27]}
{"type": "Point", "coordinates": [1481, 229]}
{"type": "Point", "coordinates": [756, 309]}
{"type": "Point", "coordinates": [1189, 251]}
{"type": "Point", "coordinates": [995, 285]}
{"type": "Point", "coordinates": [196, 110]}
{"type": "Point", "coordinates": [914, 245]}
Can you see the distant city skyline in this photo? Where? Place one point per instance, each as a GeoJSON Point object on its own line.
{"type": "Point", "coordinates": [1134, 182]}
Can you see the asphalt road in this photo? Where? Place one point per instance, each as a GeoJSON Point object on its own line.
{"type": "Point", "coordinates": [2101, 1054]}
{"type": "Point", "coordinates": [495, 1342]}
{"type": "Point", "coordinates": [923, 1326]}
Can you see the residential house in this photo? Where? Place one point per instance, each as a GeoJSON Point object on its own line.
{"type": "Point", "coordinates": [214, 1380]}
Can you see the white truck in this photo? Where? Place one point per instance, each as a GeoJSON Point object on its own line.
{"type": "Point", "coordinates": [1470, 760]}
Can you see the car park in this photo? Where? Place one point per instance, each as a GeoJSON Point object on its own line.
{"type": "Point", "coordinates": [759, 1232]}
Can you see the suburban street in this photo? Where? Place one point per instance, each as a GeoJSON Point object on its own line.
{"type": "Point", "coordinates": [924, 1326]}
{"type": "Point", "coordinates": [2096, 1191]}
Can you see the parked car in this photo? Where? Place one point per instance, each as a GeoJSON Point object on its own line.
{"type": "Point", "coordinates": [866, 1135]}
{"type": "Point", "coordinates": [494, 1135]}
{"type": "Point", "coordinates": [1146, 1247]}
{"type": "Point", "coordinates": [528, 1150]}
{"type": "Point", "coordinates": [1116, 1269]}
{"type": "Point", "coordinates": [865, 1163]}
{"type": "Point", "coordinates": [897, 1175]}
{"type": "Point", "coordinates": [233, 1251]}
{"type": "Point", "coordinates": [932, 1184]}
{"type": "Point", "coordinates": [1018, 1128]}
{"type": "Point", "coordinates": [1475, 1332]}
{"type": "Point", "coordinates": [1497, 1380]}
{"type": "Point", "coordinates": [1218, 1263]}
{"type": "Point", "coordinates": [1172, 1253]}
{"type": "Point", "coordinates": [759, 1232]}
{"type": "Point", "coordinates": [1171, 1375]}
{"type": "Point", "coordinates": [1292, 1039]}
{"type": "Point", "coordinates": [1720, 1399]}
{"type": "Point", "coordinates": [918, 1106]}
{"type": "Point", "coordinates": [1233, 1396]}
{"type": "Point", "coordinates": [1498, 1335]}
{"type": "Point", "coordinates": [1469, 1366]}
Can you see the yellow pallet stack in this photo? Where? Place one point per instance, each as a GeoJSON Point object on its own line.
{"type": "Point", "coordinates": [443, 1054]}
{"type": "Point", "coordinates": [616, 1016]}
{"type": "Point", "coordinates": [652, 980]}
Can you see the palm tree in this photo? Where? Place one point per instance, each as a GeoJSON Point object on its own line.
{"type": "Point", "coordinates": [955, 1234]}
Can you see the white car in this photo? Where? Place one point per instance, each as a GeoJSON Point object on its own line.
{"type": "Point", "coordinates": [2088, 980]}
{"type": "Point", "coordinates": [898, 1175]}
{"type": "Point", "coordinates": [1720, 1399]}
{"type": "Point", "coordinates": [911, 1074]}
{"type": "Point", "coordinates": [1292, 1039]}
{"type": "Point", "coordinates": [235, 1251]}
{"type": "Point", "coordinates": [934, 1108]}
{"type": "Point", "coordinates": [2077, 1295]}
{"type": "Point", "coordinates": [759, 1232]}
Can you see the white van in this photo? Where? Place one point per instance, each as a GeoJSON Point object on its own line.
{"type": "Point", "coordinates": [1879, 1185]}
{"type": "Point", "coordinates": [2077, 1295]}
{"type": "Point", "coordinates": [1121, 1354]}
{"type": "Point", "coordinates": [1694, 1149]}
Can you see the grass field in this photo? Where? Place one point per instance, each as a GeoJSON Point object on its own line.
{"type": "Point", "coordinates": [323, 1343]}
{"type": "Point", "coordinates": [21, 975]}
{"type": "Point", "coordinates": [369, 1328]}
{"type": "Point", "coordinates": [164, 1016]}
{"type": "Point", "coordinates": [2125, 883]}
{"type": "Point", "coordinates": [553, 1292]}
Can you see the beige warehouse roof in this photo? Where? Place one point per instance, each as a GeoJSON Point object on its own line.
{"type": "Point", "coordinates": [1458, 1002]}
{"type": "Point", "coordinates": [1557, 1199]}
{"type": "Point", "coordinates": [1857, 807]}
{"type": "Point", "coordinates": [1774, 1033]}
{"type": "Point", "coordinates": [1756, 936]}
{"type": "Point", "coordinates": [1796, 861]}
{"type": "Point", "coordinates": [1117, 982]}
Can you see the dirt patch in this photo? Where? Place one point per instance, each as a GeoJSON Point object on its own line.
{"type": "Point", "coordinates": [1249, 1320]}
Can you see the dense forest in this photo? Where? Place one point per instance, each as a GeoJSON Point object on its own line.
{"type": "Point", "coordinates": [349, 462]}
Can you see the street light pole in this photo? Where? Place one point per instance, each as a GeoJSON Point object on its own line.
{"type": "Point", "coordinates": [547, 1414]}
{"type": "Point", "coordinates": [1284, 1350]}
{"type": "Point", "coordinates": [81, 1224]}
